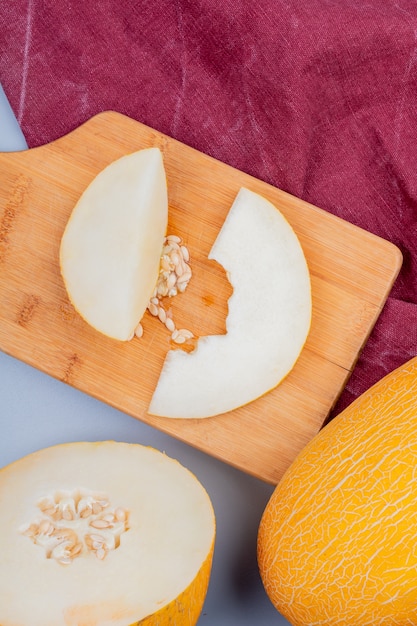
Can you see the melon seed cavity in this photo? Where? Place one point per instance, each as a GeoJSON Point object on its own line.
{"type": "Point", "coordinates": [75, 524]}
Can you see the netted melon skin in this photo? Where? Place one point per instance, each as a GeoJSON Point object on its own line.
{"type": "Point", "coordinates": [336, 543]}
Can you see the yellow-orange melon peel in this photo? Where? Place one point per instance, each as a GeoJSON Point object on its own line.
{"type": "Point", "coordinates": [337, 540]}
{"type": "Point", "coordinates": [184, 610]}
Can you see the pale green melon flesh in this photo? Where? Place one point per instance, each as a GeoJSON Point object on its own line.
{"type": "Point", "coordinates": [170, 534]}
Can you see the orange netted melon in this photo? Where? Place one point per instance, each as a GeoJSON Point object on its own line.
{"type": "Point", "coordinates": [337, 540]}
{"type": "Point", "coordinates": [103, 534]}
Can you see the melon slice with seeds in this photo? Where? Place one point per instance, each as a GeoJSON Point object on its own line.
{"type": "Point", "coordinates": [267, 324]}
{"type": "Point", "coordinates": [103, 533]}
{"type": "Point", "coordinates": [111, 247]}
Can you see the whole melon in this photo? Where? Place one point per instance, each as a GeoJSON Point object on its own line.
{"type": "Point", "coordinates": [337, 543]}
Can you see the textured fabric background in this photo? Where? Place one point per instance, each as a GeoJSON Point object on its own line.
{"type": "Point", "coordinates": [317, 97]}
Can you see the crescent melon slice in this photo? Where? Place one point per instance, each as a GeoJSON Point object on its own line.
{"type": "Point", "coordinates": [267, 324]}
{"type": "Point", "coordinates": [111, 247]}
{"type": "Point", "coordinates": [107, 533]}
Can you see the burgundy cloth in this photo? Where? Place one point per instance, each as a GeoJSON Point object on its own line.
{"type": "Point", "coordinates": [317, 97]}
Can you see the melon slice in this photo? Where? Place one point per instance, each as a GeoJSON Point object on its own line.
{"type": "Point", "coordinates": [111, 247]}
{"type": "Point", "coordinates": [267, 324]}
{"type": "Point", "coordinates": [107, 534]}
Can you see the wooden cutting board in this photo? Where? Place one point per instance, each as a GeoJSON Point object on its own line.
{"type": "Point", "coordinates": [352, 272]}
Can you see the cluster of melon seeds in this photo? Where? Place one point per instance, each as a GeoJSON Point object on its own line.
{"type": "Point", "coordinates": [77, 524]}
{"type": "Point", "coordinates": [174, 275]}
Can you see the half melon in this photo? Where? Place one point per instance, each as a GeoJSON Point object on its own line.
{"type": "Point", "coordinates": [107, 534]}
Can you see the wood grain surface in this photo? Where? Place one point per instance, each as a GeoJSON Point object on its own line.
{"type": "Point", "coordinates": [352, 272]}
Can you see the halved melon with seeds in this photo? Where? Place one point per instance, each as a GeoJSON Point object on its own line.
{"type": "Point", "coordinates": [104, 534]}
{"type": "Point", "coordinates": [111, 247]}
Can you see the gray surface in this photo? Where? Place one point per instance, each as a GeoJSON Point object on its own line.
{"type": "Point", "coordinates": [11, 137]}
{"type": "Point", "coordinates": [37, 411]}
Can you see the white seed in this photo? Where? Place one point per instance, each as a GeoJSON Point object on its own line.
{"type": "Point", "coordinates": [75, 550]}
{"type": "Point", "coordinates": [185, 253]}
{"type": "Point", "coordinates": [139, 331]}
{"type": "Point", "coordinates": [84, 506]}
{"type": "Point", "coordinates": [181, 335]}
{"type": "Point", "coordinates": [180, 269]}
{"type": "Point", "coordinates": [67, 508]}
{"type": "Point", "coordinates": [169, 323]}
{"type": "Point", "coordinates": [172, 292]}
{"type": "Point", "coordinates": [153, 309]}
{"type": "Point", "coordinates": [175, 258]}
{"type": "Point", "coordinates": [65, 534]}
{"type": "Point", "coordinates": [172, 279]}
{"type": "Point", "coordinates": [162, 290]}
{"type": "Point", "coordinates": [48, 507]}
{"type": "Point", "coordinates": [96, 538]}
{"type": "Point", "coordinates": [101, 553]}
{"type": "Point", "coordinates": [100, 523]}
{"type": "Point", "coordinates": [162, 314]}
{"type": "Point", "coordinates": [173, 238]}
{"type": "Point", "coordinates": [166, 263]}
{"type": "Point", "coordinates": [187, 334]}
{"type": "Point", "coordinates": [85, 512]}
{"type": "Point", "coordinates": [51, 511]}
{"type": "Point", "coordinates": [185, 277]}
{"type": "Point", "coordinates": [60, 552]}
